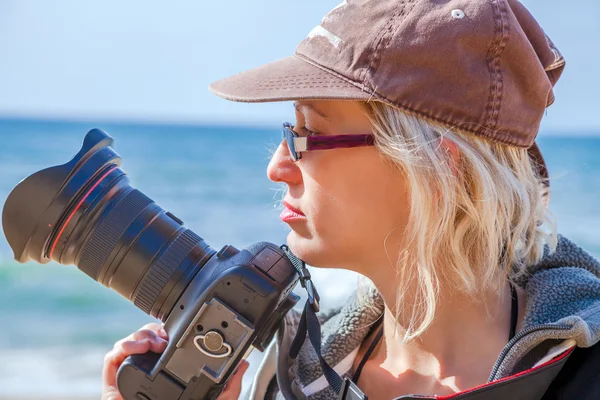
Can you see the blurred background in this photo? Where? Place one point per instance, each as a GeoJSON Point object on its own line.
{"type": "Point", "coordinates": [140, 71]}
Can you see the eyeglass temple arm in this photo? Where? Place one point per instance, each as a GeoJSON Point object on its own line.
{"type": "Point", "coordinates": [332, 142]}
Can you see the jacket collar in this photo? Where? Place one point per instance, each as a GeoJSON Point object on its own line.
{"type": "Point", "coordinates": [562, 302]}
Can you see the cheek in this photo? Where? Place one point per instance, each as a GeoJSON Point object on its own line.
{"type": "Point", "coordinates": [372, 206]}
{"type": "Point", "coordinates": [357, 202]}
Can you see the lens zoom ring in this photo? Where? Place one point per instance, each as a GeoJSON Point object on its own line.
{"type": "Point", "coordinates": [107, 234]}
{"type": "Point", "coordinates": [162, 269]}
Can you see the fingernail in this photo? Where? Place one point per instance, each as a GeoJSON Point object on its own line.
{"type": "Point", "coordinates": [162, 332]}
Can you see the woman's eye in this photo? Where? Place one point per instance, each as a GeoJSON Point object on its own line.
{"type": "Point", "coordinates": [309, 132]}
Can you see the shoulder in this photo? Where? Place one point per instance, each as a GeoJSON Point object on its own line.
{"type": "Point", "coordinates": [578, 379]}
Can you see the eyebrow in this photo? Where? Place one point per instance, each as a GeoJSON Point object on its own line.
{"type": "Point", "coordinates": [312, 108]}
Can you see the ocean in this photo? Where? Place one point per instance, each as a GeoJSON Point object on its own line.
{"type": "Point", "coordinates": [58, 323]}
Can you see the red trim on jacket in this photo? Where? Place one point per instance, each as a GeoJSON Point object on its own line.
{"type": "Point", "coordinates": [554, 360]}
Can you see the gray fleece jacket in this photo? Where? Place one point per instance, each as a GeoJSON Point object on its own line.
{"type": "Point", "coordinates": [562, 310]}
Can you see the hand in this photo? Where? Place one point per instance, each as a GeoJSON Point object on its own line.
{"type": "Point", "coordinates": [150, 337]}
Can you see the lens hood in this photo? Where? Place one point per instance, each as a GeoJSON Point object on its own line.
{"type": "Point", "coordinates": [37, 207]}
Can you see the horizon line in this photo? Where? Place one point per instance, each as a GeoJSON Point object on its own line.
{"type": "Point", "coordinates": [257, 124]}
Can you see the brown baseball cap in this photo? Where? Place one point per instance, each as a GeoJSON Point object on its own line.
{"type": "Point", "coordinates": [481, 67]}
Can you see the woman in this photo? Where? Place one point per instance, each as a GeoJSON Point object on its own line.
{"type": "Point", "coordinates": [428, 182]}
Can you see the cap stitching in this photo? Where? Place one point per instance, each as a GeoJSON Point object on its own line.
{"type": "Point", "coordinates": [403, 13]}
{"type": "Point", "coordinates": [377, 42]}
{"type": "Point", "coordinates": [303, 86]}
{"type": "Point", "coordinates": [296, 81]}
{"type": "Point", "coordinates": [490, 58]}
{"type": "Point", "coordinates": [306, 74]}
{"type": "Point", "coordinates": [497, 47]}
{"type": "Point", "coordinates": [298, 78]}
{"type": "Point", "coordinates": [386, 33]}
{"type": "Point", "coordinates": [278, 84]}
{"type": "Point", "coordinates": [359, 85]}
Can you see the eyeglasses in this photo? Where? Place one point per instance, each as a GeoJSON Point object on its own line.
{"type": "Point", "coordinates": [299, 144]}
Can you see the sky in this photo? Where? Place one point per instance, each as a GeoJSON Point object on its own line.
{"type": "Point", "coordinates": [152, 61]}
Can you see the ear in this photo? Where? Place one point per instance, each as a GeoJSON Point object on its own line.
{"type": "Point", "coordinates": [451, 148]}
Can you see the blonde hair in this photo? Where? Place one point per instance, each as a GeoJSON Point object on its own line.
{"type": "Point", "coordinates": [472, 225]}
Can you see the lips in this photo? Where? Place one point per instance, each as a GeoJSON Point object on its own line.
{"type": "Point", "coordinates": [293, 209]}
{"type": "Point", "coordinates": [291, 214]}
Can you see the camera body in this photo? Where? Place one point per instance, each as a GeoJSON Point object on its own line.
{"type": "Point", "coordinates": [216, 305]}
{"type": "Point", "coordinates": [235, 303]}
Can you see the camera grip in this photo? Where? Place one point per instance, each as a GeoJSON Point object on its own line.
{"type": "Point", "coordinates": [133, 382]}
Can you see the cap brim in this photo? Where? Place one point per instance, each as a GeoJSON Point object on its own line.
{"type": "Point", "coordinates": [289, 78]}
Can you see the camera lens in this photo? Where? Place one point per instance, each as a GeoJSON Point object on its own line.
{"type": "Point", "coordinates": [86, 213]}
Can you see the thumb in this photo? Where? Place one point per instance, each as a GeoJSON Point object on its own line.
{"type": "Point", "coordinates": [233, 389]}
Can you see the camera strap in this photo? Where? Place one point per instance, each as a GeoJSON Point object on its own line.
{"type": "Point", "coordinates": [309, 323]}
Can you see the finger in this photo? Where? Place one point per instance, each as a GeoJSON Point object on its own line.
{"type": "Point", "coordinates": [112, 394]}
{"type": "Point", "coordinates": [163, 333]}
{"type": "Point", "coordinates": [159, 329]}
{"type": "Point", "coordinates": [156, 345]}
{"type": "Point", "coordinates": [140, 335]}
{"type": "Point", "coordinates": [114, 359]}
{"type": "Point", "coordinates": [233, 389]}
{"type": "Point", "coordinates": [147, 331]}
{"type": "Point", "coordinates": [145, 334]}
{"type": "Point", "coordinates": [109, 374]}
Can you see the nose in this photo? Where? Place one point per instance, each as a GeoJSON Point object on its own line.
{"type": "Point", "coordinates": [282, 167]}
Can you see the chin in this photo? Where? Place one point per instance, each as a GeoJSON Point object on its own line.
{"type": "Point", "coordinates": [312, 251]}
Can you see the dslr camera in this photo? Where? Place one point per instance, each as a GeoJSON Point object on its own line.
{"type": "Point", "coordinates": [217, 306]}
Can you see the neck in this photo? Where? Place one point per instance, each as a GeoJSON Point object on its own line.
{"type": "Point", "coordinates": [459, 348]}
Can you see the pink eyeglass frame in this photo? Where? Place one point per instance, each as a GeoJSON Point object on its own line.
{"type": "Point", "coordinates": [299, 144]}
